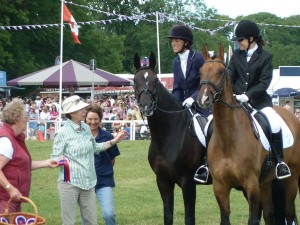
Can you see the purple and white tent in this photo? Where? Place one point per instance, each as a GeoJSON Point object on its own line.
{"type": "Point", "coordinates": [73, 73]}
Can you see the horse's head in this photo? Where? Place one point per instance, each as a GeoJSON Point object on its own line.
{"type": "Point", "coordinates": [212, 77]}
{"type": "Point", "coordinates": [145, 85]}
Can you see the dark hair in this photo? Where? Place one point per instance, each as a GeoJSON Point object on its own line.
{"type": "Point", "coordinates": [260, 41]}
{"type": "Point", "coordinates": [95, 108]}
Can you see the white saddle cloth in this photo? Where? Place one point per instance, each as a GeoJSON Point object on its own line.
{"type": "Point", "coordinates": [198, 130]}
{"type": "Point", "coordinates": [287, 137]}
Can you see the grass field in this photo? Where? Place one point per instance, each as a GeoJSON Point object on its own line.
{"type": "Point", "coordinates": [137, 199]}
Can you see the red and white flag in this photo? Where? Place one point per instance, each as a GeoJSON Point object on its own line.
{"type": "Point", "coordinates": [74, 27]}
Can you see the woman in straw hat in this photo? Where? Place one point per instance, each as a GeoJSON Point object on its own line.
{"type": "Point", "coordinates": [75, 146]}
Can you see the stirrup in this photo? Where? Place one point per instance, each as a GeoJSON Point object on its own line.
{"type": "Point", "coordinates": [288, 172]}
{"type": "Point", "coordinates": [203, 177]}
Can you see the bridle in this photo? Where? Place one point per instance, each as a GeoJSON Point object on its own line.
{"type": "Point", "coordinates": [220, 87]}
{"type": "Point", "coordinates": [153, 96]}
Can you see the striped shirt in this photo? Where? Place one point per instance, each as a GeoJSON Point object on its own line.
{"type": "Point", "coordinates": [79, 146]}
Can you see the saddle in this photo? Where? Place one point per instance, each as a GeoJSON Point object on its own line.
{"type": "Point", "coordinates": [198, 123]}
{"type": "Point", "coordinates": [262, 121]}
{"type": "Point", "coordinates": [262, 131]}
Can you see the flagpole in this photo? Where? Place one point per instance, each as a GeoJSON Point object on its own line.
{"type": "Point", "coordinates": [61, 62]}
{"type": "Point", "coordinates": [158, 49]}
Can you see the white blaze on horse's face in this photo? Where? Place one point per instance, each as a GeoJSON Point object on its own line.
{"type": "Point", "coordinates": [204, 97]}
{"type": "Point", "coordinates": [146, 75]}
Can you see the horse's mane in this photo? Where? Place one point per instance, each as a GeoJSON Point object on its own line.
{"type": "Point", "coordinates": [165, 92]}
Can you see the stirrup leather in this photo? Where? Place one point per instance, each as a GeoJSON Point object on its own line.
{"type": "Point", "coordinates": [288, 170]}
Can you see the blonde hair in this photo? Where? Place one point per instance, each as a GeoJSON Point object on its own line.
{"type": "Point", "coordinates": [13, 111]}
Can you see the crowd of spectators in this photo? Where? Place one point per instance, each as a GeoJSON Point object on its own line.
{"type": "Point", "coordinates": [41, 110]}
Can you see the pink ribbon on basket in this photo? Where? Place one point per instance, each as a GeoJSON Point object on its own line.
{"type": "Point", "coordinates": [66, 164]}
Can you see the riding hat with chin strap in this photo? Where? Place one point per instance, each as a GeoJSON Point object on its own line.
{"type": "Point", "coordinates": [246, 29]}
{"type": "Point", "coordinates": [181, 32]}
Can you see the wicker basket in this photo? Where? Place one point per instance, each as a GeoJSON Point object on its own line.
{"type": "Point", "coordinates": [11, 217]}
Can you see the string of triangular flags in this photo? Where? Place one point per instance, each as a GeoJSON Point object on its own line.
{"type": "Point", "coordinates": [142, 17]}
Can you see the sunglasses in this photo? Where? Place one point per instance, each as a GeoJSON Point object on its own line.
{"type": "Point", "coordinates": [241, 39]}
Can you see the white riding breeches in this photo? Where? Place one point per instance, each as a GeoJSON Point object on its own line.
{"type": "Point", "coordinates": [274, 119]}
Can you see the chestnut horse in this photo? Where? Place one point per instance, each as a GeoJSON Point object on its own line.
{"type": "Point", "coordinates": [235, 155]}
{"type": "Point", "coordinates": [174, 152]}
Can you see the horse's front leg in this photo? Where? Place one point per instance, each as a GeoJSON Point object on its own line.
{"type": "Point", "coordinates": [166, 189]}
{"type": "Point", "coordinates": [222, 196]}
{"type": "Point", "coordinates": [267, 203]}
{"type": "Point", "coordinates": [251, 187]}
{"type": "Point", "coordinates": [189, 197]}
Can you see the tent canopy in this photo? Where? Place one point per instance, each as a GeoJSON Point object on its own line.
{"type": "Point", "coordinates": [285, 92]}
{"type": "Point", "coordinates": [73, 73]}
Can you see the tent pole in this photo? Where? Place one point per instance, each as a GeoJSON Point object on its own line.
{"type": "Point", "coordinates": [158, 49]}
{"type": "Point", "coordinates": [61, 61]}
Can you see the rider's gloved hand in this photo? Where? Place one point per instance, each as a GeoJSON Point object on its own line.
{"type": "Point", "coordinates": [188, 102]}
{"type": "Point", "coordinates": [242, 98]}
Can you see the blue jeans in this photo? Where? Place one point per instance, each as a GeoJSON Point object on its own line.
{"type": "Point", "coordinates": [105, 197]}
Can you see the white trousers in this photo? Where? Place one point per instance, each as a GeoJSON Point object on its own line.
{"type": "Point", "coordinates": [274, 119]}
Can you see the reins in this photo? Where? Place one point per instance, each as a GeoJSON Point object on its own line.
{"type": "Point", "coordinates": [154, 96]}
{"type": "Point", "coordinates": [219, 88]}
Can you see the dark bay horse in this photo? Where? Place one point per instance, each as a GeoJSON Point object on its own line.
{"type": "Point", "coordinates": [174, 152]}
{"type": "Point", "coordinates": [235, 155]}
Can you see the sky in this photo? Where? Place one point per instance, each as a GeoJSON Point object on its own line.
{"type": "Point", "coordinates": [234, 8]}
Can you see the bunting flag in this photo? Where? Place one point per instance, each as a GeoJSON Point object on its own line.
{"type": "Point", "coordinates": [148, 17]}
{"type": "Point", "coordinates": [74, 27]}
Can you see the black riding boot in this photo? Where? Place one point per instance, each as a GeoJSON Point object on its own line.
{"type": "Point", "coordinates": [282, 169]}
{"type": "Point", "coordinates": [202, 173]}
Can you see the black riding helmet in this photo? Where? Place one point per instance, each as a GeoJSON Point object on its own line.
{"type": "Point", "coordinates": [181, 32]}
{"type": "Point", "coordinates": [246, 29]}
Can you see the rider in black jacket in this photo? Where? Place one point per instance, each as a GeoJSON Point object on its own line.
{"type": "Point", "coordinates": [251, 73]}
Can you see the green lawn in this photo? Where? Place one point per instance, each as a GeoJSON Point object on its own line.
{"type": "Point", "coordinates": [137, 199]}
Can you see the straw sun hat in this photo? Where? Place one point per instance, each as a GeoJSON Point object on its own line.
{"type": "Point", "coordinates": [73, 104]}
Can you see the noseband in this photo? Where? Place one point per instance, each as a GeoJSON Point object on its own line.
{"type": "Point", "coordinates": [146, 91]}
{"type": "Point", "coordinates": [220, 87]}
{"type": "Point", "coordinates": [153, 96]}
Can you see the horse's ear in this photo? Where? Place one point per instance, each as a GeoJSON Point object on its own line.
{"type": "Point", "coordinates": [205, 52]}
{"type": "Point", "coordinates": [152, 60]}
{"type": "Point", "coordinates": [137, 61]}
{"type": "Point", "coordinates": [221, 52]}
